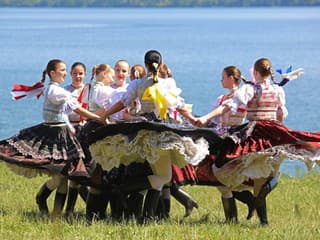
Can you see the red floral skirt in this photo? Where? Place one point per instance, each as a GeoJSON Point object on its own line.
{"type": "Point", "coordinates": [257, 150]}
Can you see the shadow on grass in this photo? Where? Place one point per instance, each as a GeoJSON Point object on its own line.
{"type": "Point", "coordinates": [79, 218]}
{"type": "Point", "coordinates": [37, 217]}
{"type": "Point", "coordinates": [3, 212]}
{"type": "Point", "coordinates": [214, 220]}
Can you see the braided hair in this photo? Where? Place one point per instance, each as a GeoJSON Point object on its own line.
{"type": "Point", "coordinates": [153, 59]}
{"type": "Point", "coordinates": [51, 66]}
{"type": "Point", "coordinates": [264, 67]}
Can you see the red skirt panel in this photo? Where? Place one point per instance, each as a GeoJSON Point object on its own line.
{"type": "Point", "coordinates": [262, 135]}
{"type": "Point", "coordinates": [257, 150]}
{"type": "Point", "coordinates": [183, 176]}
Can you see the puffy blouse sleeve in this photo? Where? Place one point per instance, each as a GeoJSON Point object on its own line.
{"type": "Point", "coordinates": [171, 93]}
{"type": "Point", "coordinates": [101, 95]}
{"type": "Point", "coordinates": [282, 101]}
{"type": "Point", "coordinates": [131, 94]}
{"type": "Point", "coordinates": [241, 97]}
{"type": "Point", "coordinates": [58, 95]}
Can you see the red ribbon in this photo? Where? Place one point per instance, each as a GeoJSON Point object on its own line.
{"type": "Point", "coordinates": [19, 91]}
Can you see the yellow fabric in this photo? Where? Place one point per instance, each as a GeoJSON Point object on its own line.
{"type": "Point", "coordinates": [153, 93]}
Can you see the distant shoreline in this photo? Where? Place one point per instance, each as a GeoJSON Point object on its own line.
{"type": "Point", "coordinates": [166, 7]}
{"type": "Point", "coordinates": [158, 4]}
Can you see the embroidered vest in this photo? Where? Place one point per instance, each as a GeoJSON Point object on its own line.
{"type": "Point", "coordinates": [53, 113]}
{"type": "Point", "coordinates": [93, 106]}
{"type": "Point", "coordinates": [264, 104]}
{"type": "Point", "coordinates": [229, 119]}
{"type": "Point", "coordinates": [74, 117]}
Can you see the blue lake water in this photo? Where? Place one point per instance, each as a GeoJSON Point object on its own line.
{"type": "Point", "coordinates": [196, 43]}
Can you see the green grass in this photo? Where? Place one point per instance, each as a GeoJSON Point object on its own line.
{"type": "Point", "coordinates": [293, 211]}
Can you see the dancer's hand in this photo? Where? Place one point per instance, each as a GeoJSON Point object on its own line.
{"type": "Point", "coordinates": [202, 121]}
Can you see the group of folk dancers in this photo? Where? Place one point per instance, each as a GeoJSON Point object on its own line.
{"type": "Point", "coordinates": [134, 145]}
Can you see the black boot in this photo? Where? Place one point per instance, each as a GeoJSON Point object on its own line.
{"type": "Point", "coordinates": [131, 184]}
{"type": "Point", "coordinates": [116, 207]}
{"type": "Point", "coordinates": [41, 199]}
{"type": "Point", "coordinates": [58, 205]}
{"type": "Point", "coordinates": [247, 198]}
{"type": "Point", "coordinates": [230, 210]}
{"type": "Point", "coordinates": [163, 209]}
{"type": "Point", "coordinates": [150, 205]}
{"type": "Point", "coordinates": [104, 200]}
{"type": "Point", "coordinates": [262, 213]}
{"type": "Point", "coordinates": [93, 207]}
{"type": "Point", "coordinates": [135, 205]}
{"type": "Point", "coordinates": [185, 199]}
{"type": "Point", "coordinates": [266, 188]}
{"type": "Point", "coordinates": [160, 210]}
{"type": "Point", "coordinates": [167, 206]}
{"type": "Point", "coordinates": [71, 201]}
{"type": "Point", "coordinates": [84, 192]}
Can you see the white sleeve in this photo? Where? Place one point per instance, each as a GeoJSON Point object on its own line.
{"type": "Point", "coordinates": [115, 97]}
{"type": "Point", "coordinates": [282, 100]}
{"type": "Point", "coordinates": [58, 95]}
{"type": "Point", "coordinates": [131, 94]}
{"type": "Point", "coordinates": [245, 93]}
{"type": "Point", "coordinates": [242, 96]}
{"type": "Point", "coordinates": [282, 96]}
{"type": "Point", "coordinates": [101, 95]}
{"type": "Point", "coordinates": [171, 83]}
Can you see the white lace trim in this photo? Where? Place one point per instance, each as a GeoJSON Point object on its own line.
{"type": "Point", "coordinates": [147, 145]}
{"type": "Point", "coordinates": [262, 164]}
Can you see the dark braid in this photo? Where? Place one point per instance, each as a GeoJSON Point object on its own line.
{"type": "Point", "coordinates": [44, 73]}
{"type": "Point", "coordinates": [153, 60]}
{"type": "Point", "coordinates": [272, 76]}
{"type": "Point", "coordinates": [93, 74]}
{"type": "Point", "coordinates": [246, 81]}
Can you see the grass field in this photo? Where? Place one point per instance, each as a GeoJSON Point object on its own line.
{"type": "Point", "coordinates": [293, 211]}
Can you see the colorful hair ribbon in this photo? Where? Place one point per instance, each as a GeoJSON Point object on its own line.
{"type": "Point", "coordinates": [289, 75]}
{"type": "Point", "coordinates": [19, 91]}
{"type": "Point", "coordinates": [153, 93]}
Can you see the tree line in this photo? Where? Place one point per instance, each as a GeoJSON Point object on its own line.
{"type": "Point", "coordinates": [158, 4]}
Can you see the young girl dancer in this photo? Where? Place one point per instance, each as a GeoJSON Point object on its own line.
{"type": "Point", "coordinates": [99, 93]}
{"type": "Point", "coordinates": [78, 73]}
{"type": "Point", "coordinates": [231, 79]}
{"type": "Point", "coordinates": [257, 150]}
{"type": "Point", "coordinates": [140, 141]}
{"type": "Point", "coordinates": [50, 147]}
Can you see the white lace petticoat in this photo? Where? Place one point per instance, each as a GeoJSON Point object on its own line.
{"type": "Point", "coordinates": [146, 146]}
{"type": "Point", "coordinates": [261, 164]}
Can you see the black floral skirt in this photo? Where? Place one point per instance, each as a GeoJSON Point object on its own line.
{"type": "Point", "coordinates": [44, 149]}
